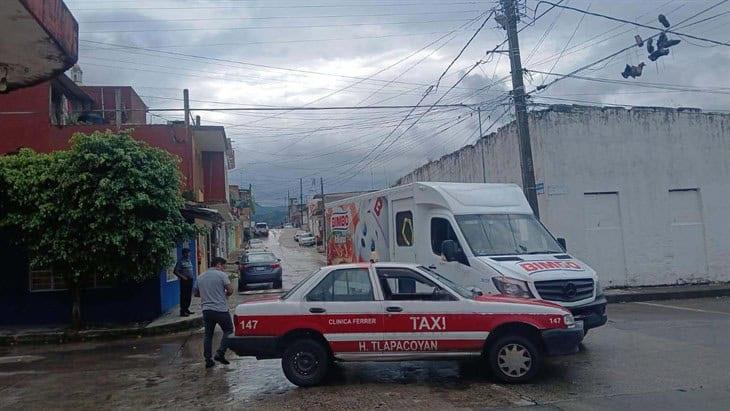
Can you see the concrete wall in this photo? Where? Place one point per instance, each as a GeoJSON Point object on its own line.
{"type": "Point", "coordinates": [642, 195]}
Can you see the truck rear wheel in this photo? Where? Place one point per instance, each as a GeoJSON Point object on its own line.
{"type": "Point", "coordinates": [514, 358]}
{"type": "Point", "coordinates": [305, 362]}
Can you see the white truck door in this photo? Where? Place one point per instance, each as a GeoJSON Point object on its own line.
{"type": "Point", "coordinates": [441, 227]}
{"type": "Point", "coordinates": [404, 249]}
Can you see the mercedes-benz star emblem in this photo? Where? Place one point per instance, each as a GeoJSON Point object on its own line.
{"type": "Point", "coordinates": [570, 290]}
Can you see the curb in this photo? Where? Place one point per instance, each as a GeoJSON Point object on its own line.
{"type": "Point", "coordinates": [629, 297]}
{"type": "Point", "coordinates": [66, 336]}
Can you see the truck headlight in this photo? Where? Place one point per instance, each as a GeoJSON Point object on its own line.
{"type": "Point", "coordinates": [569, 320]}
{"type": "Point", "coordinates": [512, 287]}
{"type": "Point", "coordinates": [599, 288]}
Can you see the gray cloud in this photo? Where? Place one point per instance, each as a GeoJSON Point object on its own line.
{"type": "Point", "coordinates": [275, 150]}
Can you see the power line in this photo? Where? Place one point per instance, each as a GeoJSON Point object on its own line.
{"type": "Point", "coordinates": [612, 55]}
{"type": "Point", "coordinates": [587, 43]}
{"type": "Point", "coordinates": [715, 90]}
{"type": "Point", "coordinates": [438, 81]}
{"type": "Point", "coordinates": [245, 63]}
{"type": "Point", "coordinates": [317, 40]}
{"type": "Point", "coordinates": [299, 6]}
{"type": "Point", "coordinates": [666, 30]}
{"type": "Point", "coordinates": [572, 35]}
{"type": "Point", "coordinates": [196, 19]}
{"type": "Point", "coordinates": [428, 91]}
{"type": "Point", "coordinates": [296, 108]}
{"type": "Point", "coordinates": [438, 101]}
{"type": "Point", "coordinates": [313, 26]}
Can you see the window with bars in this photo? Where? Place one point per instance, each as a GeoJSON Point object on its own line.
{"type": "Point", "coordinates": [46, 280]}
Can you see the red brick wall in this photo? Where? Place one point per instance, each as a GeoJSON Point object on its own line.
{"type": "Point", "coordinates": [35, 130]}
{"type": "Point", "coordinates": [214, 177]}
{"type": "Point", "coordinates": [25, 130]}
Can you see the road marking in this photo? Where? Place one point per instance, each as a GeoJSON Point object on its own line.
{"type": "Point", "coordinates": [684, 308]}
{"type": "Point", "coordinates": [20, 359]}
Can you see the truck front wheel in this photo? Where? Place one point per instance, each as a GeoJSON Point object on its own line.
{"type": "Point", "coordinates": [305, 362]}
{"type": "Point", "coordinates": [514, 358]}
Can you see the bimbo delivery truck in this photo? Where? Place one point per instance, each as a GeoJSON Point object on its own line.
{"type": "Point", "coordinates": [478, 235]}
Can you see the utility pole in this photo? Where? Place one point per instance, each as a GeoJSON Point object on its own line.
{"type": "Point", "coordinates": [301, 204]}
{"type": "Point", "coordinates": [118, 108]}
{"type": "Point", "coordinates": [518, 94]}
{"type": "Point", "coordinates": [186, 109]}
{"type": "Point", "coordinates": [484, 163]}
{"type": "Point", "coordinates": [324, 216]}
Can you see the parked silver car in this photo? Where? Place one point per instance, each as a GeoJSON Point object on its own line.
{"type": "Point", "coordinates": [259, 268]}
{"type": "Point", "coordinates": [307, 239]}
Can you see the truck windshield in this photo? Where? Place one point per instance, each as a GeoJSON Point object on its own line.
{"type": "Point", "coordinates": [506, 234]}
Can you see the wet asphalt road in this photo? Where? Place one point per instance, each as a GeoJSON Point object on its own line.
{"type": "Point", "coordinates": [662, 355]}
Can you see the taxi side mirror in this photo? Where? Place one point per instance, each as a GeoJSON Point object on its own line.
{"type": "Point", "coordinates": [561, 241]}
{"type": "Point", "coordinates": [448, 249]}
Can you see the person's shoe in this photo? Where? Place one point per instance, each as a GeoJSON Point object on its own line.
{"type": "Point", "coordinates": [188, 312]}
{"type": "Point", "coordinates": [184, 314]}
{"type": "Point", "coordinates": [221, 359]}
{"type": "Point", "coordinates": [209, 363]}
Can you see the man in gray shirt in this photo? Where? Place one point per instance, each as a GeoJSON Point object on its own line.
{"type": "Point", "coordinates": [214, 287]}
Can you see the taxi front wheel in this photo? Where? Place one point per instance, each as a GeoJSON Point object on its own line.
{"type": "Point", "coordinates": [514, 358]}
{"type": "Point", "coordinates": [305, 362]}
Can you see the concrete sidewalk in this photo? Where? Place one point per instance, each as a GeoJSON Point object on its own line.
{"type": "Point", "coordinates": [669, 292]}
{"type": "Point", "coordinates": [171, 322]}
{"type": "Point", "coordinates": [168, 323]}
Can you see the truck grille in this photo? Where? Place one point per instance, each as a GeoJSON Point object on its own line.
{"type": "Point", "coordinates": [565, 290]}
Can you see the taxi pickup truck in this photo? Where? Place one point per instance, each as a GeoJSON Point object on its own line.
{"type": "Point", "coordinates": [399, 312]}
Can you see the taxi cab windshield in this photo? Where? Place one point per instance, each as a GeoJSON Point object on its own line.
{"type": "Point", "coordinates": [452, 285]}
{"type": "Point", "coordinates": [506, 234]}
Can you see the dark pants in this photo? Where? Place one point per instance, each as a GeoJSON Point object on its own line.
{"type": "Point", "coordinates": [186, 292]}
{"type": "Point", "coordinates": [210, 319]}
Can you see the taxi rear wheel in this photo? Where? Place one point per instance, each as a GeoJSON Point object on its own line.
{"type": "Point", "coordinates": [514, 358]}
{"type": "Point", "coordinates": [305, 362]}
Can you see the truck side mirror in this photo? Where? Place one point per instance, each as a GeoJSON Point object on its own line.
{"type": "Point", "coordinates": [448, 249]}
{"type": "Point", "coordinates": [561, 241]}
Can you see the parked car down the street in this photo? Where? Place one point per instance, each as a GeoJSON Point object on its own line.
{"type": "Point", "coordinates": [261, 230]}
{"type": "Point", "coordinates": [288, 225]}
{"type": "Point", "coordinates": [307, 239]}
{"type": "Point", "coordinates": [256, 244]}
{"type": "Point", "coordinates": [259, 268]}
{"type": "Point", "coordinates": [396, 311]}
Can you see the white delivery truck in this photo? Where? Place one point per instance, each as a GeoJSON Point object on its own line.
{"type": "Point", "coordinates": [477, 235]}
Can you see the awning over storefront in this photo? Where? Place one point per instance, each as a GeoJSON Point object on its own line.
{"type": "Point", "coordinates": [192, 211]}
{"type": "Point", "coordinates": [38, 41]}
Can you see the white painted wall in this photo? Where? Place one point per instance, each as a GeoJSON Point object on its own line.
{"type": "Point", "coordinates": [608, 173]}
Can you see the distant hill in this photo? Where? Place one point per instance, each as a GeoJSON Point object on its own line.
{"type": "Point", "coordinates": [273, 216]}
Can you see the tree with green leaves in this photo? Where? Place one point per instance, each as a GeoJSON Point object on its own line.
{"type": "Point", "coordinates": [107, 207]}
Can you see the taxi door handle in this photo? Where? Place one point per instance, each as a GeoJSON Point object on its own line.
{"type": "Point", "coordinates": [394, 309]}
{"type": "Point", "coordinates": [317, 310]}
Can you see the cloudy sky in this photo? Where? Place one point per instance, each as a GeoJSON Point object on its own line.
{"type": "Point", "coordinates": [326, 53]}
